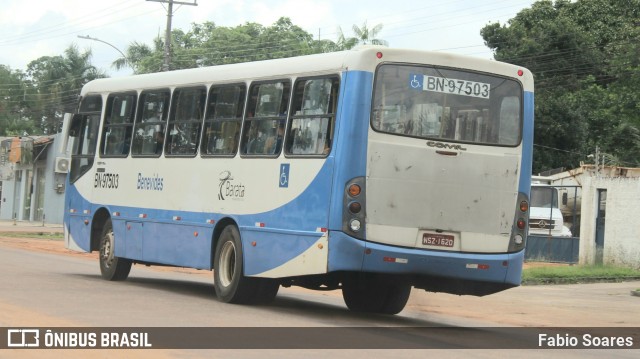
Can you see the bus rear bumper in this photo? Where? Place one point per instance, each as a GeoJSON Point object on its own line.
{"type": "Point", "coordinates": [438, 271]}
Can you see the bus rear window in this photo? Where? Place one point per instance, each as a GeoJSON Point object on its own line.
{"type": "Point", "coordinates": [448, 105]}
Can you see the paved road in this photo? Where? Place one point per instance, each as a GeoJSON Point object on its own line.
{"type": "Point", "coordinates": [44, 289]}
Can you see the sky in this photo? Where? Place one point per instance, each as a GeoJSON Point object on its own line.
{"type": "Point", "coordinates": [30, 29]}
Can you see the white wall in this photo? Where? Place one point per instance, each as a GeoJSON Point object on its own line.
{"type": "Point", "coordinates": [622, 223]}
{"type": "Point", "coordinates": [53, 200]}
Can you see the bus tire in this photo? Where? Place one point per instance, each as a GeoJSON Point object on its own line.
{"type": "Point", "coordinates": [366, 293]}
{"type": "Point", "coordinates": [267, 290]}
{"type": "Point", "coordinates": [111, 267]}
{"type": "Point", "coordinates": [228, 276]}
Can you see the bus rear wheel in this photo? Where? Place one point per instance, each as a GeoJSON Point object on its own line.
{"type": "Point", "coordinates": [111, 267]}
{"type": "Point", "coordinates": [229, 281]}
{"type": "Point", "coordinates": [374, 294]}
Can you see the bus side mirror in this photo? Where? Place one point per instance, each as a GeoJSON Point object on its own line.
{"type": "Point", "coordinates": [75, 125]}
{"type": "Point", "coordinates": [565, 199]}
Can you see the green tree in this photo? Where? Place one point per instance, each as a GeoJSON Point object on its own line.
{"type": "Point", "coordinates": [13, 103]}
{"type": "Point", "coordinates": [141, 58]}
{"type": "Point", "coordinates": [584, 57]}
{"type": "Point", "coordinates": [363, 36]}
{"type": "Point", "coordinates": [345, 43]}
{"type": "Point", "coordinates": [56, 82]}
{"type": "Point", "coordinates": [366, 36]}
{"type": "Point", "coordinates": [207, 44]}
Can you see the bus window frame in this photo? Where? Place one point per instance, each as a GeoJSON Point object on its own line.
{"type": "Point", "coordinates": [246, 120]}
{"type": "Point", "coordinates": [106, 126]}
{"type": "Point", "coordinates": [172, 113]}
{"type": "Point", "coordinates": [238, 120]}
{"type": "Point", "coordinates": [162, 122]}
{"type": "Point", "coordinates": [332, 116]}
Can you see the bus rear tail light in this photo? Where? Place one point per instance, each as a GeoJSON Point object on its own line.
{"type": "Point", "coordinates": [353, 213]}
{"type": "Point", "coordinates": [355, 207]}
{"type": "Point", "coordinates": [518, 239]}
{"type": "Point", "coordinates": [521, 222]}
{"type": "Point", "coordinates": [354, 190]}
{"type": "Point", "coordinates": [524, 206]}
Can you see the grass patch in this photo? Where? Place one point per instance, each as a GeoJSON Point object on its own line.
{"type": "Point", "coordinates": [33, 235]}
{"type": "Point", "coordinates": [578, 274]}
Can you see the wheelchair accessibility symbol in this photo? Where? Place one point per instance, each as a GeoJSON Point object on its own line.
{"type": "Point", "coordinates": [284, 175]}
{"type": "Point", "coordinates": [415, 81]}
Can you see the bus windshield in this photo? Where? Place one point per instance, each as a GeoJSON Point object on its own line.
{"type": "Point", "coordinates": [544, 197]}
{"type": "Point", "coordinates": [444, 104]}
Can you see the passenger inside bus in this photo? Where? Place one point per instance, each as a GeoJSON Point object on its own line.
{"type": "Point", "coordinates": [274, 142]}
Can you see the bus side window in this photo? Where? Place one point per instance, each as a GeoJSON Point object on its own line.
{"type": "Point", "coordinates": [313, 117]}
{"type": "Point", "coordinates": [185, 121]}
{"type": "Point", "coordinates": [266, 115]}
{"type": "Point", "coordinates": [118, 125]}
{"type": "Point", "coordinates": [149, 129]}
{"type": "Point", "coordinates": [223, 120]}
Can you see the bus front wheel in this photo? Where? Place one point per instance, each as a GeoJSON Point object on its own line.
{"type": "Point", "coordinates": [374, 294]}
{"type": "Point", "coordinates": [111, 267]}
{"type": "Point", "coordinates": [228, 276]}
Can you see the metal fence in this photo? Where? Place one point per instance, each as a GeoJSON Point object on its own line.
{"type": "Point", "coordinates": [549, 246]}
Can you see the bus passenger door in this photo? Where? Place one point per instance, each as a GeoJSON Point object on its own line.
{"type": "Point", "coordinates": [84, 132]}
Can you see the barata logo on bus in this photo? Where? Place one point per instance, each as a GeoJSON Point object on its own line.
{"type": "Point", "coordinates": [446, 146]}
{"type": "Point", "coordinates": [229, 188]}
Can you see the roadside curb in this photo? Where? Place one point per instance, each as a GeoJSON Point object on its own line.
{"type": "Point", "coordinates": [552, 281]}
{"type": "Point", "coordinates": [30, 227]}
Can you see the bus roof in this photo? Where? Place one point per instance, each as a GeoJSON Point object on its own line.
{"type": "Point", "coordinates": [361, 58]}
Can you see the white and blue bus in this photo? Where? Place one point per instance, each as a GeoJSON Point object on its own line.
{"type": "Point", "coordinates": [372, 171]}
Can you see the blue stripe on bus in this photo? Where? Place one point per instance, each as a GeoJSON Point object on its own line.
{"type": "Point", "coordinates": [352, 133]}
{"type": "Point", "coordinates": [349, 151]}
{"type": "Point", "coordinates": [382, 258]}
{"type": "Point", "coordinates": [527, 145]}
{"type": "Point", "coordinates": [174, 242]}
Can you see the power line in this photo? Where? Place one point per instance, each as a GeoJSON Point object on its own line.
{"type": "Point", "coordinates": [167, 36]}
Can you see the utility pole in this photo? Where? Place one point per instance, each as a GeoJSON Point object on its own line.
{"type": "Point", "coordinates": [167, 34]}
{"type": "Point", "coordinates": [597, 161]}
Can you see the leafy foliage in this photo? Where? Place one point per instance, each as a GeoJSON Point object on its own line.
{"type": "Point", "coordinates": [13, 103]}
{"type": "Point", "coordinates": [55, 84]}
{"type": "Point", "coordinates": [34, 101]}
{"type": "Point", "coordinates": [585, 56]}
{"type": "Point", "coordinates": [207, 45]}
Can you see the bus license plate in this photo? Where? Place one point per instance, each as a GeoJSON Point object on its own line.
{"type": "Point", "coordinates": [440, 240]}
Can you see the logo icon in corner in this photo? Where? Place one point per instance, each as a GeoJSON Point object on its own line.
{"type": "Point", "coordinates": [225, 176]}
{"type": "Point", "coordinates": [23, 338]}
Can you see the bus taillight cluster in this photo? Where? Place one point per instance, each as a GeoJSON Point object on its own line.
{"type": "Point", "coordinates": [521, 222]}
{"type": "Point", "coordinates": [354, 203]}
